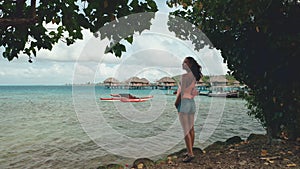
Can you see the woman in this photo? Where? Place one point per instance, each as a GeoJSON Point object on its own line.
{"type": "Point", "coordinates": [185, 103]}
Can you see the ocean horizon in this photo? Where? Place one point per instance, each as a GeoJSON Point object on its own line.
{"type": "Point", "coordinates": [47, 126]}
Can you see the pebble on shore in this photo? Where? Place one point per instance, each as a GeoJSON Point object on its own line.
{"type": "Point", "coordinates": [254, 152]}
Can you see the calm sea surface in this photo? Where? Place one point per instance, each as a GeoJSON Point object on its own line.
{"type": "Point", "coordinates": [65, 127]}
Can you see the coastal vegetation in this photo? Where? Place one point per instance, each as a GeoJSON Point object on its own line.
{"type": "Point", "coordinates": [259, 41]}
{"type": "Point", "coordinates": [206, 81]}
{"type": "Point", "coordinates": [23, 24]}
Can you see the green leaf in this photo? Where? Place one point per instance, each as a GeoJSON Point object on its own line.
{"type": "Point", "coordinates": [130, 39]}
{"type": "Point", "coordinates": [134, 4]}
{"type": "Point", "coordinates": [152, 4]}
{"type": "Point", "coordinates": [118, 53]}
{"type": "Point", "coordinates": [70, 21]}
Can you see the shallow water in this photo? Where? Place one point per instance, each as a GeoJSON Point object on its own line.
{"type": "Point", "coordinates": [57, 127]}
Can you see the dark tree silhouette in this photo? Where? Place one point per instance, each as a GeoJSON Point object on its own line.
{"type": "Point", "coordinates": [259, 40]}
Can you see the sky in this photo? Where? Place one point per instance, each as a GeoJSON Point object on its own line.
{"type": "Point", "coordinates": [154, 54]}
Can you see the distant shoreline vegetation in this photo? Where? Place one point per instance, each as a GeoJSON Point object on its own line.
{"type": "Point", "coordinates": [215, 80]}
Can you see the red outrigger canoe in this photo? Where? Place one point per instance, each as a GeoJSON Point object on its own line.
{"type": "Point", "coordinates": [110, 99]}
{"type": "Point", "coordinates": [126, 98]}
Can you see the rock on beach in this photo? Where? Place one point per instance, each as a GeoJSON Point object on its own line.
{"type": "Point", "coordinates": [252, 153]}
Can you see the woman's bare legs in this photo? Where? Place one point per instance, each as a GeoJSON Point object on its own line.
{"type": "Point", "coordinates": [188, 131]}
{"type": "Point", "coordinates": [192, 131]}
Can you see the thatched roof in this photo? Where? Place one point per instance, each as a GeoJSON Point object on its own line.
{"type": "Point", "coordinates": [201, 83]}
{"type": "Point", "coordinates": [236, 82]}
{"type": "Point", "coordinates": [111, 80]}
{"type": "Point", "coordinates": [145, 81]}
{"type": "Point", "coordinates": [166, 80]}
{"type": "Point", "coordinates": [134, 80]}
{"type": "Point", "coordinates": [217, 79]}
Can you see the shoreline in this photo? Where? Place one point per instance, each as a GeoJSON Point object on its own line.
{"type": "Point", "coordinates": [254, 152]}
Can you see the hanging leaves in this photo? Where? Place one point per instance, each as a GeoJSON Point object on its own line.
{"type": "Point", "coordinates": [93, 15]}
{"type": "Point", "coordinates": [257, 42]}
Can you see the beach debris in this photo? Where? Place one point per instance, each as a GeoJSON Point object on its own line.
{"type": "Point", "coordinates": [140, 166]}
{"type": "Point", "coordinates": [144, 161]}
{"type": "Point", "coordinates": [126, 166]}
{"type": "Point", "coordinates": [271, 161]}
{"type": "Point", "coordinates": [244, 142]}
{"type": "Point", "coordinates": [263, 153]}
{"type": "Point", "coordinates": [233, 150]}
{"type": "Point", "coordinates": [170, 160]}
{"type": "Point", "coordinates": [291, 165]}
{"type": "Point", "coordinates": [218, 154]}
{"type": "Point", "coordinates": [244, 162]}
{"type": "Point", "coordinates": [284, 136]}
{"type": "Point", "coordinates": [270, 158]}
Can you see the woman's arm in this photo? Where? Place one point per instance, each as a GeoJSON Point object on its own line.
{"type": "Point", "coordinates": [195, 92]}
{"type": "Point", "coordinates": [178, 97]}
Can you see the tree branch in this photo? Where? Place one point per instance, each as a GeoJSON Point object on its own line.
{"type": "Point", "coordinates": [20, 4]}
{"type": "Point", "coordinates": [16, 21]}
{"type": "Point", "coordinates": [33, 10]}
{"type": "Point", "coordinates": [19, 20]}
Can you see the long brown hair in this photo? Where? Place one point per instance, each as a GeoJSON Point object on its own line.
{"type": "Point", "coordinates": [195, 68]}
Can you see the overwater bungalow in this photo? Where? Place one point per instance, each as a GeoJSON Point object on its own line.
{"type": "Point", "coordinates": [219, 80]}
{"type": "Point", "coordinates": [221, 87]}
{"type": "Point", "coordinates": [145, 82]}
{"type": "Point", "coordinates": [166, 82]}
{"type": "Point", "coordinates": [111, 82]}
{"type": "Point", "coordinates": [202, 87]}
{"type": "Point", "coordinates": [137, 83]}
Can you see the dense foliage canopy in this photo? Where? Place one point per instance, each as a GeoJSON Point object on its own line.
{"type": "Point", "coordinates": [23, 25]}
{"type": "Point", "coordinates": [259, 40]}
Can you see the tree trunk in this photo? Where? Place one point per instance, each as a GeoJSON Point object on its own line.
{"type": "Point", "coordinates": [293, 126]}
{"type": "Point", "coordinates": [273, 125]}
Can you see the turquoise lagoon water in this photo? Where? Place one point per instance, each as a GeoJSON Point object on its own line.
{"type": "Point", "coordinates": [41, 125]}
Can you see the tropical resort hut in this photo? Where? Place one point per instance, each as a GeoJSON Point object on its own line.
{"type": "Point", "coordinates": [135, 82]}
{"type": "Point", "coordinates": [111, 82]}
{"type": "Point", "coordinates": [236, 83]}
{"type": "Point", "coordinates": [201, 83]}
{"type": "Point", "coordinates": [166, 82]}
{"type": "Point", "coordinates": [145, 82]}
{"type": "Point", "coordinates": [219, 80]}
{"type": "Point", "coordinates": [202, 86]}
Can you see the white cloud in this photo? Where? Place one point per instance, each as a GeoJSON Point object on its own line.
{"type": "Point", "coordinates": [22, 72]}
{"type": "Point", "coordinates": [105, 71]}
{"type": "Point", "coordinates": [154, 54]}
{"type": "Point", "coordinates": [63, 52]}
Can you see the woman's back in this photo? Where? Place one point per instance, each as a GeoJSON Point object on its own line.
{"type": "Point", "coordinates": [188, 83]}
